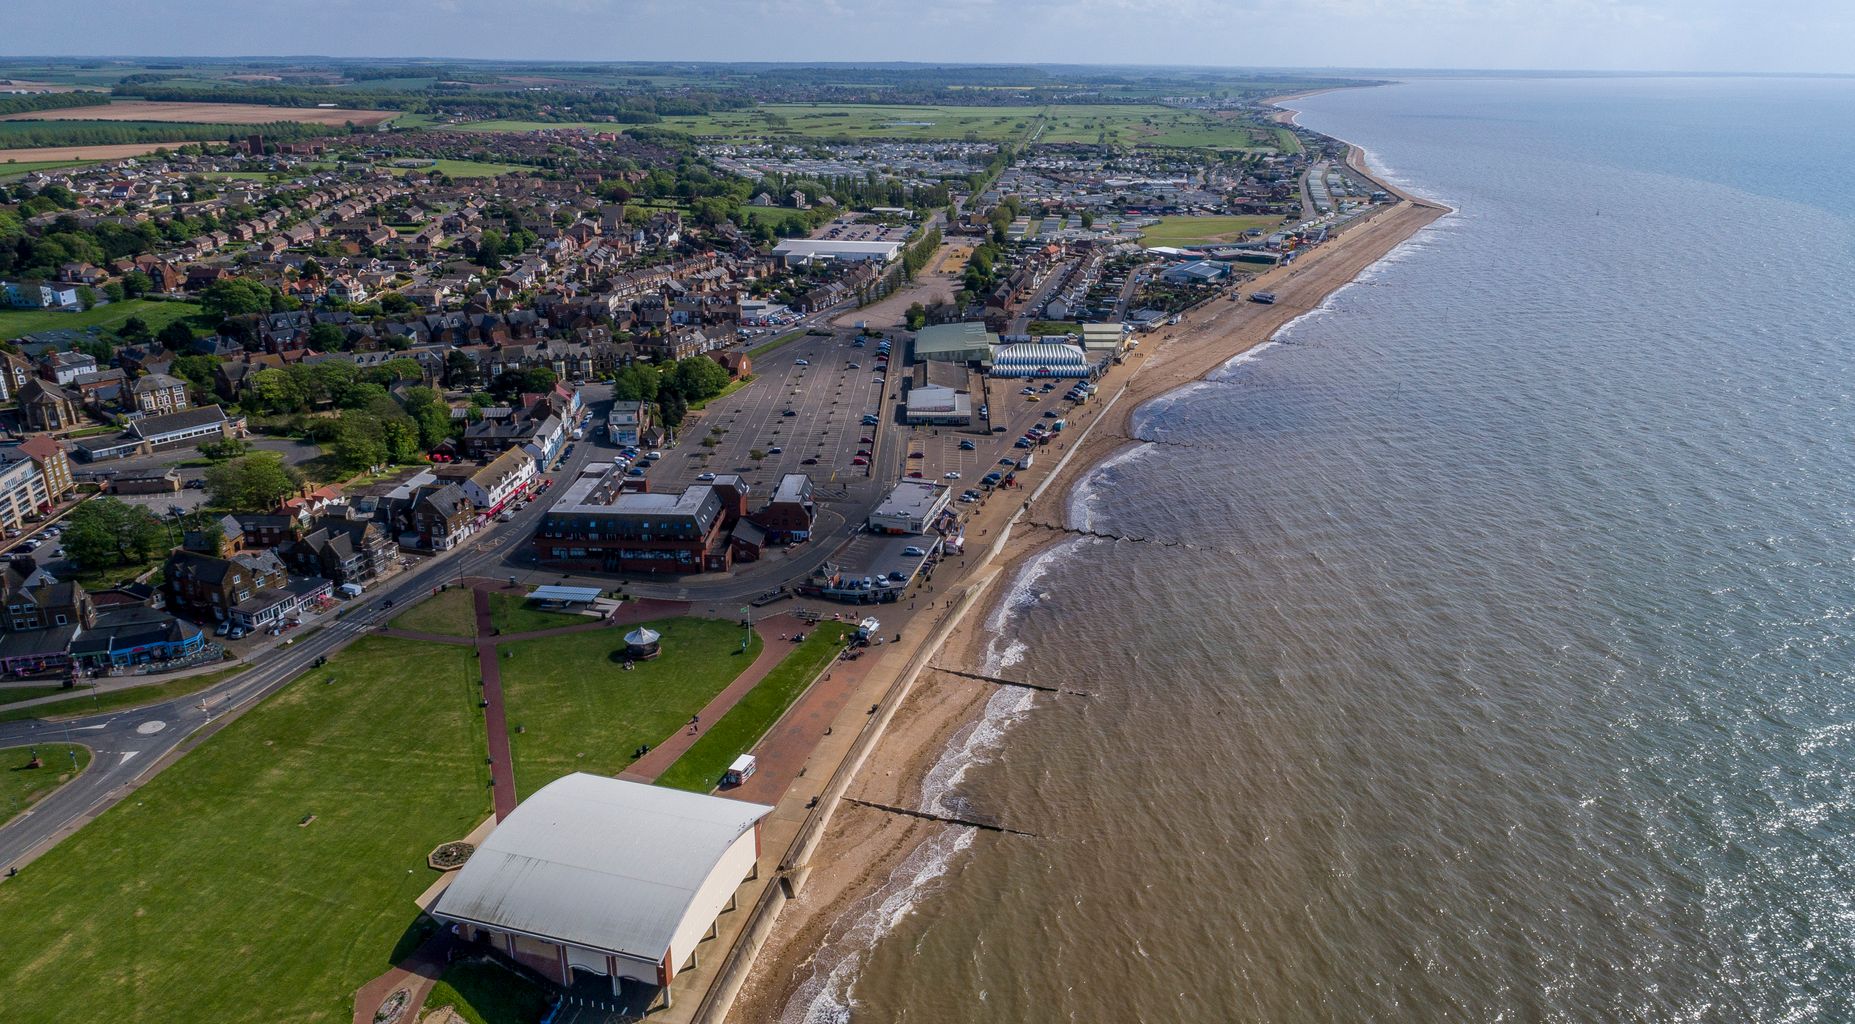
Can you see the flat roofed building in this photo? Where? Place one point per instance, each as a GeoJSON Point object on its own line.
{"type": "Point", "coordinates": [608, 878]}
{"type": "Point", "coordinates": [955, 343]}
{"type": "Point", "coordinates": [597, 524]}
{"type": "Point", "coordinates": [810, 250]}
{"type": "Point", "coordinates": [934, 404]}
{"type": "Point", "coordinates": [1097, 337]}
{"type": "Point", "coordinates": [910, 507]}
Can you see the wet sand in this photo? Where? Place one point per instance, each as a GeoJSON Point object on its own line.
{"type": "Point", "coordinates": [862, 847]}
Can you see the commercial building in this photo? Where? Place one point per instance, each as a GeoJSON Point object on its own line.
{"type": "Point", "coordinates": [1198, 272]}
{"type": "Point", "coordinates": [597, 524]}
{"type": "Point", "coordinates": [53, 465]}
{"type": "Point", "coordinates": [1103, 337]}
{"type": "Point", "coordinates": [798, 251]}
{"type": "Point", "coordinates": [1040, 359]}
{"type": "Point", "coordinates": [937, 405]}
{"type": "Point", "coordinates": [955, 343]}
{"type": "Point", "coordinates": [910, 507]}
{"type": "Point", "coordinates": [506, 477]}
{"type": "Point", "coordinates": [600, 880]}
{"type": "Point", "coordinates": [627, 421]}
{"type": "Point", "coordinates": [790, 514]}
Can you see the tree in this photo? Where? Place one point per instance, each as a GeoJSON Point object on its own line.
{"type": "Point", "coordinates": [671, 406]}
{"type": "Point", "coordinates": [278, 391]}
{"type": "Point", "coordinates": [698, 377]}
{"type": "Point", "coordinates": [395, 304]}
{"type": "Point", "coordinates": [327, 338]}
{"type": "Point", "coordinates": [252, 483]}
{"type": "Point", "coordinates": [427, 409]}
{"type": "Point", "coordinates": [115, 292]}
{"type": "Point", "coordinates": [532, 380]}
{"type": "Point", "coordinates": [196, 370]}
{"type": "Point", "coordinates": [135, 282]}
{"type": "Point", "coordinates": [636, 383]}
{"type": "Point", "coordinates": [175, 336]}
{"type": "Point", "coordinates": [459, 370]}
{"type": "Point", "coordinates": [917, 317]}
{"type": "Point", "coordinates": [235, 296]}
{"type": "Point", "coordinates": [86, 297]}
{"type": "Point", "coordinates": [106, 532]}
{"type": "Point", "coordinates": [360, 441]}
{"type": "Point", "coordinates": [225, 448]}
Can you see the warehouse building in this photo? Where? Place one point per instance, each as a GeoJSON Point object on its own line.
{"type": "Point", "coordinates": [939, 406]}
{"type": "Point", "coordinates": [595, 880]}
{"type": "Point", "coordinates": [955, 343]}
{"type": "Point", "coordinates": [800, 251]}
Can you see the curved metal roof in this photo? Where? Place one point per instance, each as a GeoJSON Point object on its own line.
{"type": "Point", "coordinates": [598, 863]}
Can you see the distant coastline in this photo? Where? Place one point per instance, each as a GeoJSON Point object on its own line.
{"type": "Point", "coordinates": [853, 872]}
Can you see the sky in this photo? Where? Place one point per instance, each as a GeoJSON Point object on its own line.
{"type": "Point", "coordinates": [1806, 36]}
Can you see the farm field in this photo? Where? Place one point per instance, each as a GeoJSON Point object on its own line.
{"type": "Point", "coordinates": [85, 154]}
{"type": "Point", "coordinates": [15, 322]}
{"type": "Point", "coordinates": [303, 826]}
{"type": "Point", "coordinates": [529, 126]}
{"type": "Point", "coordinates": [207, 113]}
{"type": "Point", "coordinates": [1204, 230]}
{"type": "Point", "coordinates": [863, 121]}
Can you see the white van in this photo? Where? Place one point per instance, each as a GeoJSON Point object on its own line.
{"type": "Point", "coordinates": [349, 590]}
{"type": "Point", "coordinates": [1025, 462]}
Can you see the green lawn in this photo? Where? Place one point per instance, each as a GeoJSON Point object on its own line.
{"type": "Point", "coordinates": [767, 346]}
{"type": "Point", "coordinates": [700, 767]}
{"type": "Point", "coordinates": [21, 787]}
{"type": "Point", "coordinates": [485, 992]}
{"type": "Point", "coordinates": [15, 694]}
{"type": "Point", "coordinates": [1204, 230]}
{"type": "Point", "coordinates": [511, 613]}
{"type": "Point", "coordinates": [1139, 124]}
{"type": "Point", "coordinates": [572, 708]}
{"type": "Point", "coordinates": [451, 612]}
{"type": "Point", "coordinates": [505, 125]}
{"type": "Point", "coordinates": [776, 216]}
{"type": "Point", "coordinates": [99, 579]}
{"type": "Point", "coordinates": [15, 322]}
{"type": "Point", "coordinates": [84, 702]}
{"type": "Point", "coordinates": [17, 168]}
{"type": "Point", "coordinates": [732, 386]}
{"type": "Point", "coordinates": [204, 897]}
{"type": "Point", "coordinates": [457, 168]}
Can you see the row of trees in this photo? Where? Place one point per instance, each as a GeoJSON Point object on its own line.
{"type": "Point", "coordinates": [672, 387]}
{"type": "Point", "coordinates": [33, 134]}
{"type": "Point", "coordinates": [299, 387]}
{"type": "Point", "coordinates": [107, 533]}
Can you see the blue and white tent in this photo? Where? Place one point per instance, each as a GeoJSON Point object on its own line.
{"type": "Point", "coordinates": [1039, 359]}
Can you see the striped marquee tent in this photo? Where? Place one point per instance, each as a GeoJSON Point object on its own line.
{"type": "Point", "coordinates": [1039, 359]}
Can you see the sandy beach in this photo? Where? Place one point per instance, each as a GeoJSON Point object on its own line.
{"type": "Point", "coordinates": [862, 847]}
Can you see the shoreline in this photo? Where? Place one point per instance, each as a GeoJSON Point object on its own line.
{"type": "Point", "coordinates": [853, 872]}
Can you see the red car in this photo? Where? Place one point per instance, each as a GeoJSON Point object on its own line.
{"type": "Point", "coordinates": [866, 440]}
{"type": "Point", "coordinates": [914, 474]}
{"type": "Point", "coordinates": [859, 461]}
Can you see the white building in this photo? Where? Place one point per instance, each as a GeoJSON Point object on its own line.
{"type": "Point", "coordinates": [505, 477]}
{"type": "Point", "coordinates": [811, 250]}
{"type": "Point", "coordinates": [605, 878]}
{"type": "Point", "coordinates": [22, 489]}
{"type": "Point", "coordinates": [910, 507]}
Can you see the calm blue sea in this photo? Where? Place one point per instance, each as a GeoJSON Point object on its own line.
{"type": "Point", "coordinates": [1511, 673]}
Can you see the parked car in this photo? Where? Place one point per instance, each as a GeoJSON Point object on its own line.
{"type": "Point", "coordinates": [775, 450]}
{"type": "Point", "coordinates": [917, 455]}
{"type": "Point", "coordinates": [705, 477]}
{"type": "Point", "coordinates": [968, 446]}
{"type": "Point", "coordinates": [914, 550]}
{"type": "Point", "coordinates": [789, 412]}
{"type": "Point", "coordinates": [808, 461]}
{"type": "Point", "coordinates": [801, 362]}
{"type": "Point", "coordinates": [952, 474]}
{"type": "Point", "coordinates": [859, 461]}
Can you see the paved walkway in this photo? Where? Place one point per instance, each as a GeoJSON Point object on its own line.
{"type": "Point", "coordinates": [495, 721]}
{"type": "Point", "coordinates": [787, 746]}
{"type": "Point", "coordinates": [418, 973]}
{"type": "Point", "coordinates": [773, 650]}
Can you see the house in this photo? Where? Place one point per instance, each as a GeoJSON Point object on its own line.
{"type": "Point", "coordinates": [506, 477]}
{"type": "Point", "coordinates": [159, 393]}
{"type": "Point", "coordinates": [41, 619]}
{"type": "Point", "coordinates": [15, 371]}
{"type": "Point", "coordinates": [207, 587]}
{"type": "Point", "coordinates": [39, 295]}
{"type": "Point", "coordinates": [627, 421]}
{"type": "Point", "coordinates": [440, 517]}
{"type": "Point", "coordinates": [341, 550]}
{"type": "Point", "coordinates": [61, 368]}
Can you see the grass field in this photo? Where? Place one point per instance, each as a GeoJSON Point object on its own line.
{"type": "Point", "coordinates": [1204, 230]}
{"type": "Point", "coordinates": [485, 992]}
{"type": "Point", "coordinates": [457, 168]}
{"type": "Point", "coordinates": [863, 121]}
{"type": "Point", "coordinates": [16, 168]}
{"type": "Point", "coordinates": [213, 895]}
{"type": "Point", "coordinates": [775, 215]}
{"type": "Point", "coordinates": [84, 702]}
{"type": "Point", "coordinates": [767, 346]}
{"type": "Point", "coordinates": [571, 708]}
{"type": "Point", "coordinates": [511, 613]}
{"type": "Point", "coordinates": [451, 612]}
{"type": "Point", "coordinates": [700, 767]}
{"type": "Point", "coordinates": [21, 787]}
{"type": "Point", "coordinates": [734, 385]}
{"type": "Point", "coordinates": [15, 322]}
{"type": "Point", "coordinates": [532, 126]}
{"type": "Point", "coordinates": [15, 694]}
{"type": "Point", "coordinates": [1153, 125]}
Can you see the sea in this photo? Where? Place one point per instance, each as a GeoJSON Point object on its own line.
{"type": "Point", "coordinates": [1487, 649]}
